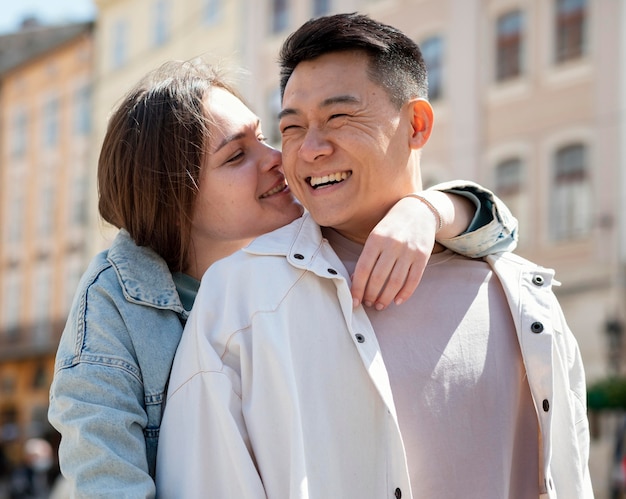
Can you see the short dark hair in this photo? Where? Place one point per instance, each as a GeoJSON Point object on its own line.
{"type": "Point", "coordinates": [152, 155]}
{"type": "Point", "coordinates": [396, 62]}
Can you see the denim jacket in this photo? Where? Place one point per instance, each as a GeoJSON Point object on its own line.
{"type": "Point", "coordinates": [111, 371]}
{"type": "Point", "coordinates": [118, 345]}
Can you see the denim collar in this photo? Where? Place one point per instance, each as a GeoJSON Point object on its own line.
{"type": "Point", "coordinates": [143, 275]}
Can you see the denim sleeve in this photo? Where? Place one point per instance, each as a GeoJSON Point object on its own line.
{"type": "Point", "coordinates": [96, 402]}
{"type": "Point", "coordinates": [493, 228]}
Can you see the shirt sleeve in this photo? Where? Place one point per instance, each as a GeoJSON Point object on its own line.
{"type": "Point", "coordinates": [493, 228]}
{"type": "Point", "coordinates": [96, 403]}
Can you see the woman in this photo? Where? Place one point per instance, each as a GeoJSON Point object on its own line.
{"type": "Point", "coordinates": [187, 177]}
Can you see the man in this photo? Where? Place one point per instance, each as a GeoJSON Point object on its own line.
{"type": "Point", "coordinates": [473, 388]}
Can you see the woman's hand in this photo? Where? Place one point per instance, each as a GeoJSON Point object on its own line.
{"type": "Point", "coordinates": [398, 248]}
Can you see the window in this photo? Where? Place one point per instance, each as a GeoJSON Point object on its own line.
{"type": "Point", "coordinates": [11, 301]}
{"type": "Point", "coordinates": [160, 32]}
{"type": "Point", "coordinates": [509, 186]}
{"type": "Point", "coordinates": [51, 123]}
{"type": "Point", "coordinates": [14, 216]}
{"type": "Point", "coordinates": [280, 15]}
{"type": "Point", "coordinates": [42, 301]}
{"type": "Point", "coordinates": [509, 45]}
{"type": "Point", "coordinates": [571, 25]}
{"type": "Point", "coordinates": [40, 380]}
{"type": "Point", "coordinates": [321, 7]}
{"type": "Point", "coordinates": [78, 209]}
{"type": "Point", "coordinates": [20, 133]}
{"type": "Point", "coordinates": [571, 204]}
{"type": "Point", "coordinates": [509, 177]}
{"type": "Point", "coordinates": [432, 52]}
{"type": "Point", "coordinates": [82, 110]}
{"type": "Point", "coordinates": [46, 207]}
{"type": "Point", "coordinates": [120, 34]}
{"type": "Point", "coordinates": [212, 11]}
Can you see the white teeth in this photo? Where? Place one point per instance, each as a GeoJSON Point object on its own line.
{"type": "Point", "coordinates": [273, 191]}
{"type": "Point", "coordinates": [328, 179]}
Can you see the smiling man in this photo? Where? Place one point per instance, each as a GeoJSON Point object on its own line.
{"type": "Point", "coordinates": [348, 130]}
{"type": "Point", "coordinates": [474, 388]}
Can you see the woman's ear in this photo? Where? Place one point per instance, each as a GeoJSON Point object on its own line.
{"type": "Point", "coordinates": [421, 121]}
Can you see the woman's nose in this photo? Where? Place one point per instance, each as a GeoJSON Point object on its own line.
{"type": "Point", "coordinates": [272, 158]}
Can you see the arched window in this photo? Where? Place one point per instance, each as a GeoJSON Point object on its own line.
{"type": "Point", "coordinates": [571, 197]}
{"type": "Point", "coordinates": [509, 177]}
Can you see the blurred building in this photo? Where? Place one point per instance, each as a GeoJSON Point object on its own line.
{"type": "Point", "coordinates": [529, 99]}
{"type": "Point", "coordinates": [45, 119]}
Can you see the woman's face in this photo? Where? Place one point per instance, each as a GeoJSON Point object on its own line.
{"type": "Point", "coordinates": [242, 190]}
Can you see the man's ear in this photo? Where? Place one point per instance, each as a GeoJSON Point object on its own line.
{"type": "Point", "coordinates": [421, 121]}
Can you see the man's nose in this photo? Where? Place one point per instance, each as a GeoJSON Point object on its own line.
{"type": "Point", "coordinates": [315, 145]}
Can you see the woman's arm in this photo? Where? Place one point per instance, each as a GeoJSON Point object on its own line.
{"type": "Point", "coordinates": [97, 403]}
{"type": "Point", "coordinates": [460, 215]}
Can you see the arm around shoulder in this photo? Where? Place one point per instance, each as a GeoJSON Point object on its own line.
{"type": "Point", "coordinates": [491, 228]}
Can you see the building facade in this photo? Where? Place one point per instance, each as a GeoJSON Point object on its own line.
{"type": "Point", "coordinates": [45, 120]}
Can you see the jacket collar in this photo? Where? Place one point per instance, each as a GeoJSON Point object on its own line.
{"type": "Point", "coordinates": [302, 244]}
{"type": "Point", "coordinates": [143, 274]}
{"type": "Point", "coordinates": [301, 237]}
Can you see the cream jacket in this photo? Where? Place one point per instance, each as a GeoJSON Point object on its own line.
{"type": "Point", "coordinates": [279, 389]}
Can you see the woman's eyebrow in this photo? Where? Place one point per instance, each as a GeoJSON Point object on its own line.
{"type": "Point", "coordinates": [235, 136]}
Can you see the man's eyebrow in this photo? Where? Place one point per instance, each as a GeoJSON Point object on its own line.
{"type": "Point", "coordinates": [235, 136]}
{"type": "Point", "coordinates": [338, 99]}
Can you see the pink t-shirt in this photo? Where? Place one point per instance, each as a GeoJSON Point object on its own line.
{"type": "Point", "coordinates": [459, 384]}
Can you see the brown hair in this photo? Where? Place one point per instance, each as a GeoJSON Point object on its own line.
{"type": "Point", "coordinates": [152, 156]}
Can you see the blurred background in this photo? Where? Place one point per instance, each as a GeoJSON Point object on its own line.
{"type": "Point", "coordinates": [529, 99]}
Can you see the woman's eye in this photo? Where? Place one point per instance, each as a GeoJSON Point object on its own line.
{"type": "Point", "coordinates": [235, 157]}
{"type": "Point", "coordinates": [262, 138]}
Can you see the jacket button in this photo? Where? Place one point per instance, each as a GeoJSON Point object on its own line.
{"type": "Point", "coordinates": [536, 327]}
{"type": "Point", "coordinates": [397, 493]}
{"type": "Point", "coordinates": [298, 256]}
{"type": "Point", "coordinates": [538, 280]}
{"type": "Point", "coordinates": [546, 405]}
{"type": "Point", "coordinates": [359, 337]}
{"type": "Point", "coordinates": [332, 271]}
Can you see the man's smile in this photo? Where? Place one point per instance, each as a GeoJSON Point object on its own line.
{"type": "Point", "coordinates": [326, 180]}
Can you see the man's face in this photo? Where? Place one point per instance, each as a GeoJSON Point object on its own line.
{"type": "Point", "coordinates": [346, 147]}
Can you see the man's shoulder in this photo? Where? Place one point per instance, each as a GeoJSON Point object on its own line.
{"type": "Point", "coordinates": [270, 250]}
{"type": "Point", "coordinates": [509, 258]}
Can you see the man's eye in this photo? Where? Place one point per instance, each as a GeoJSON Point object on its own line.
{"type": "Point", "coordinates": [287, 127]}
